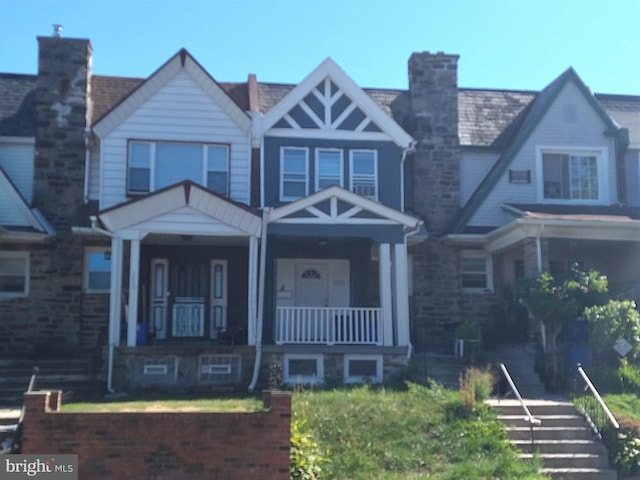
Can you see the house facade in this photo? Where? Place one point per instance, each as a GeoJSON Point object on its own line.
{"type": "Point", "coordinates": [179, 232]}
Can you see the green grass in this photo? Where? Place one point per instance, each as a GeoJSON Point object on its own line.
{"type": "Point", "coordinates": [422, 433]}
{"type": "Point", "coordinates": [627, 404]}
{"type": "Point", "coordinates": [164, 403]}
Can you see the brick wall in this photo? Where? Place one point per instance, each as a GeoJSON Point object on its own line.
{"type": "Point", "coordinates": [167, 445]}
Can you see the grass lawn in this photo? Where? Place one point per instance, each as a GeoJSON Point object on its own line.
{"type": "Point", "coordinates": [422, 433]}
{"type": "Point", "coordinates": [165, 403]}
{"type": "Point", "coordinates": [627, 404]}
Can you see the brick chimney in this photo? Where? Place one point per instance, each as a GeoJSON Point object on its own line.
{"type": "Point", "coordinates": [433, 94]}
{"type": "Point", "coordinates": [64, 70]}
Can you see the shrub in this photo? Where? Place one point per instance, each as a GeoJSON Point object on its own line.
{"type": "Point", "coordinates": [306, 456]}
{"type": "Point", "coordinates": [610, 322]}
{"type": "Point", "coordinates": [476, 386]}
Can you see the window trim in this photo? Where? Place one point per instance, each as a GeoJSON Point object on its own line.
{"type": "Point", "coordinates": [317, 166]}
{"type": "Point", "coordinates": [348, 378]}
{"type": "Point", "coordinates": [23, 254]}
{"type": "Point", "coordinates": [88, 251]}
{"type": "Point", "coordinates": [289, 198]}
{"type": "Point", "coordinates": [602, 166]}
{"type": "Point", "coordinates": [306, 379]}
{"type": "Point", "coordinates": [488, 273]}
{"type": "Point", "coordinates": [375, 170]}
{"type": "Point", "coordinates": [152, 164]}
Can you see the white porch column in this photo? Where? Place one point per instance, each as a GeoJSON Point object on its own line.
{"type": "Point", "coordinates": [386, 304]}
{"type": "Point", "coordinates": [401, 293]}
{"type": "Point", "coordinates": [132, 312]}
{"type": "Point", "coordinates": [252, 290]}
{"type": "Point", "coordinates": [115, 293]}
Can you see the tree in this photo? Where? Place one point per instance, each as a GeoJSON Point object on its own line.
{"type": "Point", "coordinates": [553, 301]}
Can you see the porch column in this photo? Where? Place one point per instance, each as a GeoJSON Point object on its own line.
{"type": "Point", "coordinates": [252, 290]}
{"type": "Point", "coordinates": [115, 293]}
{"type": "Point", "coordinates": [132, 312]}
{"type": "Point", "coordinates": [401, 293]}
{"type": "Point", "coordinates": [386, 305]}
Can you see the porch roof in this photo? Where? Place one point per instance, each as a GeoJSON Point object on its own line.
{"type": "Point", "coordinates": [183, 208]}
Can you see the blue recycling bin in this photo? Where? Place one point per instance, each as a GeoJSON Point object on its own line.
{"type": "Point", "coordinates": [141, 333]}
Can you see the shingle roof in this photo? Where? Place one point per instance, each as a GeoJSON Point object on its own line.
{"type": "Point", "coordinates": [625, 110]}
{"type": "Point", "coordinates": [579, 212]}
{"type": "Point", "coordinates": [17, 105]}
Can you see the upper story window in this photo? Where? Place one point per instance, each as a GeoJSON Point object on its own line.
{"type": "Point", "coordinates": [328, 168]}
{"type": "Point", "coordinates": [363, 172]}
{"type": "Point", "coordinates": [294, 173]}
{"type": "Point", "coordinates": [155, 165]}
{"type": "Point", "coordinates": [14, 274]}
{"type": "Point", "coordinates": [573, 175]}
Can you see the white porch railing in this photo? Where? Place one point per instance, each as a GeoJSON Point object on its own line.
{"type": "Point", "coordinates": [329, 325]}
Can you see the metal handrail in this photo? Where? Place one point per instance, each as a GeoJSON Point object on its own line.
{"type": "Point", "coordinates": [597, 396]}
{"type": "Point", "coordinates": [529, 417]}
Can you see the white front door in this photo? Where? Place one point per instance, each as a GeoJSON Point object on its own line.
{"type": "Point", "coordinates": [159, 296]}
{"type": "Point", "coordinates": [312, 285]}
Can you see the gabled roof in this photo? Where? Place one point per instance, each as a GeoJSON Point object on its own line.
{"type": "Point", "coordinates": [237, 216]}
{"type": "Point", "coordinates": [17, 105]}
{"type": "Point", "coordinates": [531, 117]}
{"type": "Point", "coordinates": [181, 61]}
{"type": "Point", "coordinates": [330, 101]}
{"type": "Point", "coordinates": [335, 205]}
{"type": "Point", "coordinates": [17, 218]}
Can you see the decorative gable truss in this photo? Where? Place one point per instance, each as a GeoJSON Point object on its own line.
{"type": "Point", "coordinates": [329, 104]}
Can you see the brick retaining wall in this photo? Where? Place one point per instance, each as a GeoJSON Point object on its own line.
{"type": "Point", "coordinates": [164, 445]}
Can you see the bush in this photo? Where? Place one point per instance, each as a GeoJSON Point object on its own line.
{"type": "Point", "coordinates": [624, 446]}
{"type": "Point", "coordinates": [306, 456]}
{"type": "Point", "coordinates": [476, 386]}
{"type": "Point", "coordinates": [610, 322]}
{"type": "Point", "coordinates": [630, 378]}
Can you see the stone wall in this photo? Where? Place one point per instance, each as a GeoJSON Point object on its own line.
{"type": "Point", "coordinates": [164, 445]}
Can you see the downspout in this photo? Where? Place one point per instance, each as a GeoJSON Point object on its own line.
{"type": "Point", "coordinates": [94, 226]}
{"type": "Point", "coordinates": [539, 249]}
{"type": "Point", "coordinates": [406, 237]}
{"type": "Point", "coordinates": [410, 149]}
{"type": "Point", "coordinates": [87, 149]}
{"type": "Point", "coordinates": [260, 316]}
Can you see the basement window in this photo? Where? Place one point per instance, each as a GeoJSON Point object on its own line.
{"type": "Point", "coordinates": [362, 369]}
{"type": "Point", "coordinates": [219, 369]}
{"type": "Point", "coordinates": [300, 369]}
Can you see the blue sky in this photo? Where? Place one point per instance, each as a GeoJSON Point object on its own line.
{"type": "Point", "coordinates": [513, 44]}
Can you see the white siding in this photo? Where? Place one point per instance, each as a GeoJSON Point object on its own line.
{"type": "Point", "coordinates": [179, 111]}
{"type": "Point", "coordinates": [474, 166]}
{"type": "Point", "coordinates": [16, 159]}
{"type": "Point", "coordinates": [632, 159]}
{"type": "Point", "coordinates": [569, 122]}
{"type": "Point", "coordinates": [94, 174]}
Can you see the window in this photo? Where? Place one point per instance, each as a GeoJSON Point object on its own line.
{"type": "Point", "coordinates": [328, 168]}
{"type": "Point", "coordinates": [14, 274]}
{"type": "Point", "coordinates": [97, 270]}
{"type": "Point", "coordinates": [477, 271]}
{"type": "Point", "coordinates": [155, 165]}
{"type": "Point", "coordinates": [303, 369]}
{"type": "Point", "coordinates": [362, 368]}
{"type": "Point", "coordinates": [573, 175]}
{"type": "Point", "coordinates": [293, 173]}
{"type": "Point", "coordinates": [364, 173]}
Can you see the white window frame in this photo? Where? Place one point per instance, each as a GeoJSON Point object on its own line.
{"type": "Point", "coordinates": [602, 165]}
{"type": "Point", "coordinates": [27, 265]}
{"type": "Point", "coordinates": [349, 378]}
{"type": "Point", "coordinates": [151, 167]}
{"type": "Point", "coordinates": [284, 197]}
{"type": "Point", "coordinates": [374, 176]}
{"type": "Point", "coordinates": [317, 166]}
{"type": "Point", "coordinates": [488, 271]}
{"type": "Point", "coordinates": [88, 251]}
{"type": "Point", "coordinates": [291, 379]}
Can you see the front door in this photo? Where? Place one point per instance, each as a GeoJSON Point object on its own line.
{"type": "Point", "coordinates": [312, 284]}
{"type": "Point", "coordinates": [188, 286]}
{"type": "Point", "coordinates": [159, 296]}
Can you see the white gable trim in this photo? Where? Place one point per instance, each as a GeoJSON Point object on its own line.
{"type": "Point", "coordinates": [30, 218]}
{"type": "Point", "coordinates": [330, 69]}
{"type": "Point", "coordinates": [387, 215]}
{"type": "Point", "coordinates": [175, 199]}
{"type": "Point", "coordinates": [157, 80]}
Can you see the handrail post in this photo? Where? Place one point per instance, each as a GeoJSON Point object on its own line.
{"type": "Point", "coordinates": [598, 398]}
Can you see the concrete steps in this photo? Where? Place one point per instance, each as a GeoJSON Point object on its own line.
{"type": "Point", "coordinates": [563, 441]}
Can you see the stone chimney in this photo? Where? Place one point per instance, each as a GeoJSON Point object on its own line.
{"type": "Point", "coordinates": [62, 114]}
{"type": "Point", "coordinates": [433, 94]}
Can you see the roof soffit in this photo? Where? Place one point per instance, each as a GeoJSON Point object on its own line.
{"type": "Point", "coordinates": [182, 61]}
{"type": "Point", "coordinates": [330, 101]}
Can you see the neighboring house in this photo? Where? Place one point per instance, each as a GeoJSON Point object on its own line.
{"type": "Point", "coordinates": [198, 232]}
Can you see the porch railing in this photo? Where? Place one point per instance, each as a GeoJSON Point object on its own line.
{"type": "Point", "coordinates": [329, 325]}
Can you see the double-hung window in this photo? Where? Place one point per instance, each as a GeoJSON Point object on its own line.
{"type": "Point", "coordinates": [477, 271]}
{"type": "Point", "coordinates": [155, 165]}
{"type": "Point", "coordinates": [328, 168]}
{"type": "Point", "coordinates": [97, 270]}
{"type": "Point", "coordinates": [294, 172]}
{"type": "Point", "coordinates": [363, 173]}
{"type": "Point", "coordinates": [14, 274]}
{"type": "Point", "coordinates": [573, 175]}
